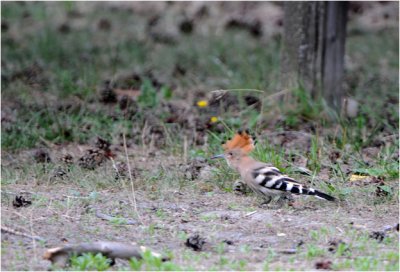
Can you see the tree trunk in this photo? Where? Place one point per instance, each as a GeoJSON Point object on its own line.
{"type": "Point", "coordinates": [313, 48]}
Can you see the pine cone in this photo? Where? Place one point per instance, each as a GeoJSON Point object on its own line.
{"type": "Point", "coordinates": [67, 159]}
{"type": "Point", "coordinates": [92, 159]}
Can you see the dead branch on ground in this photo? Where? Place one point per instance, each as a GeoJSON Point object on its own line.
{"type": "Point", "coordinates": [107, 217]}
{"type": "Point", "coordinates": [16, 232]}
{"type": "Point", "coordinates": [112, 250]}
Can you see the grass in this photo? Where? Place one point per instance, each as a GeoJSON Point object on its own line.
{"type": "Point", "coordinates": [235, 73]}
{"type": "Point", "coordinates": [75, 78]}
{"type": "Point", "coordinates": [354, 253]}
{"type": "Point", "coordinates": [152, 263]}
{"type": "Point", "coordinates": [89, 261]}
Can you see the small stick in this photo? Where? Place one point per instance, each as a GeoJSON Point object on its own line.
{"type": "Point", "coordinates": [250, 214]}
{"type": "Point", "coordinates": [185, 147]}
{"type": "Point", "coordinates": [168, 135]}
{"type": "Point", "coordinates": [47, 143]}
{"type": "Point", "coordinates": [289, 131]}
{"type": "Point", "coordinates": [115, 166]}
{"type": "Point", "coordinates": [339, 229]}
{"type": "Point", "coordinates": [15, 232]}
{"type": "Point", "coordinates": [288, 251]}
{"type": "Point", "coordinates": [60, 255]}
{"type": "Point", "coordinates": [77, 197]}
{"type": "Point", "coordinates": [131, 179]}
{"type": "Point", "coordinates": [112, 218]}
{"type": "Point", "coordinates": [143, 135]}
{"type": "Point", "coordinates": [33, 240]}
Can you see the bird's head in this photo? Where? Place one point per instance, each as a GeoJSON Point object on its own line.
{"type": "Point", "coordinates": [235, 149]}
{"type": "Point", "coordinates": [232, 156]}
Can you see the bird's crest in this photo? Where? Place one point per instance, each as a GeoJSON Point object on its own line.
{"type": "Point", "coordinates": [242, 140]}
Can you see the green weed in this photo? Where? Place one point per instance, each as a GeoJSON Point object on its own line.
{"type": "Point", "coordinates": [267, 153]}
{"type": "Point", "coordinates": [303, 108]}
{"type": "Point", "coordinates": [314, 251]}
{"type": "Point", "coordinates": [89, 261]}
{"type": "Point", "coordinates": [148, 95]}
{"type": "Point", "coordinates": [224, 176]}
{"type": "Point", "coordinates": [314, 162]}
{"type": "Point", "coordinates": [149, 262]}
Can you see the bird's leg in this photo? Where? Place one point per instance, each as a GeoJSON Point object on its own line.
{"type": "Point", "coordinates": [277, 202]}
{"type": "Point", "coordinates": [282, 200]}
{"type": "Point", "coordinates": [290, 200]}
{"type": "Point", "coordinates": [267, 200]}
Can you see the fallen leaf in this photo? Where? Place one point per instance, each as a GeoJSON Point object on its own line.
{"type": "Point", "coordinates": [355, 177]}
{"type": "Point", "coordinates": [130, 93]}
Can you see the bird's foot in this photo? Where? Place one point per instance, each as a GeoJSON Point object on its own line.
{"type": "Point", "coordinates": [271, 203]}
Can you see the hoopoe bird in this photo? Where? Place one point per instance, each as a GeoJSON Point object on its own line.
{"type": "Point", "coordinates": [265, 180]}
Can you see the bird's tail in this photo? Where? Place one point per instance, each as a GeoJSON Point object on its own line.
{"type": "Point", "coordinates": [297, 188]}
{"type": "Point", "coordinates": [318, 194]}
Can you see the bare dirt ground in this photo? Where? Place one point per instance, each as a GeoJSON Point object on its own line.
{"type": "Point", "coordinates": [234, 227]}
{"type": "Point", "coordinates": [76, 73]}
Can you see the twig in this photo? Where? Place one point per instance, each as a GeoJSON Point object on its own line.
{"type": "Point", "coordinates": [77, 197]}
{"type": "Point", "coordinates": [131, 180]}
{"type": "Point", "coordinates": [47, 143]}
{"type": "Point", "coordinates": [258, 123]}
{"type": "Point", "coordinates": [250, 214]}
{"type": "Point", "coordinates": [60, 255]}
{"type": "Point", "coordinates": [143, 136]}
{"type": "Point", "coordinates": [112, 218]}
{"type": "Point", "coordinates": [288, 251]}
{"type": "Point", "coordinates": [185, 147]}
{"type": "Point", "coordinates": [114, 166]}
{"type": "Point", "coordinates": [254, 90]}
{"type": "Point", "coordinates": [33, 240]}
{"type": "Point", "coordinates": [240, 90]}
{"type": "Point", "coordinates": [168, 135]}
{"type": "Point", "coordinates": [151, 145]}
{"type": "Point", "coordinates": [339, 229]}
{"type": "Point", "coordinates": [9, 193]}
{"type": "Point", "coordinates": [15, 232]}
{"type": "Point", "coordinates": [20, 192]}
{"type": "Point", "coordinates": [289, 132]}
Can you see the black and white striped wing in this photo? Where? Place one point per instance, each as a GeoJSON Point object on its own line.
{"type": "Point", "coordinates": [273, 179]}
{"type": "Point", "coordinates": [270, 179]}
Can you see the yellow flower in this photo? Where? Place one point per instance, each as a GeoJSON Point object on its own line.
{"type": "Point", "coordinates": [214, 119]}
{"type": "Point", "coordinates": [202, 103]}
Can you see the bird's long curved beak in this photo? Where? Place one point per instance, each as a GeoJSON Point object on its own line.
{"type": "Point", "coordinates": [220, 156]}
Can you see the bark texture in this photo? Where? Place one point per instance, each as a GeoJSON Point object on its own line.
{"type": "Point", "coordinates": [314, 48]}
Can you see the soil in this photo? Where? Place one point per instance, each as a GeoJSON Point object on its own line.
{"type": "Point", "coordinates": [168, 220]}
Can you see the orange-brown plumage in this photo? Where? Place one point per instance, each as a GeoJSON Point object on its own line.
{"type": "Point", "coordinates": [241, 140]}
